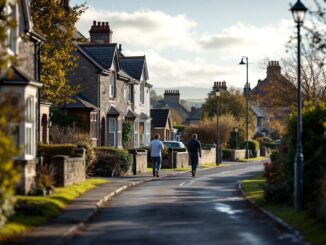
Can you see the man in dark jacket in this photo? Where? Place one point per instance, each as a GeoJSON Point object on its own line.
{"type": "Point", "coordinates": [194, 150]}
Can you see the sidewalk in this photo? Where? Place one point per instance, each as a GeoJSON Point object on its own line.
{"type": "Point", "coordinates": [82, 210]}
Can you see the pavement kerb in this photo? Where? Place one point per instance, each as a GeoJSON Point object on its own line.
{"type": "Point", "coordinates": [276, 220]}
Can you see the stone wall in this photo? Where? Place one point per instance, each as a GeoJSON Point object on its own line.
{"type": "Point", "coordinates": [139, 162]}
{"type": "Point", "coordinates": [69, 171]}
{"type": "Point", "coordinates": [208, 156]}
{"type": "Point", "coordinates": [176, 160]}
{"type": "Point", "coordinates": [27, 171]}
{"type": "Point", "coordinates": [238, 154]}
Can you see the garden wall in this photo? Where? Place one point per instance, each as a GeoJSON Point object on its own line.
{"type": "Point", "coordinates": [208, 156]}
{"type": "Point", "coordinates": [139, 165]}
{"type": "Point", "coordinates": [27, 172]}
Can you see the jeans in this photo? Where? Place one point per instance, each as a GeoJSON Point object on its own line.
{"type": "Point", "coordinates": [156, 164]}
{"type": "Point", "coordinates": [193, 161]}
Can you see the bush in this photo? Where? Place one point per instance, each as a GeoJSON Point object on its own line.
{"type": "Point", "coordinates": [110, 162]}
{"type": "Point", "coordinates": [68, 135]}
{"type": "Point", "coordinates": [253, 146]}
{"type": "Point", "coordinates": [226, 154]}
{"type": "Point", "coordinates": [276, 189]}
{"type": "Point", "coordinates": [314, 148]}
{"type": "Point", "coordinates": [49, 151]}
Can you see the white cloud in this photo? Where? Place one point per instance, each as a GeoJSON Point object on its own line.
{"type": "Point", "coordinates": [143, 28]}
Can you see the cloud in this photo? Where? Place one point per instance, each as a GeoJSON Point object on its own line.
{"type": "Point", "coordinates": [143, 28]}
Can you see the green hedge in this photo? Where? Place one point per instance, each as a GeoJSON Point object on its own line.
{"type": "Point", "coordinates": [253, 146]}
{"type": "Point", "coordinates": [110, 161]}
{"type": "Point", "coordinates": [49, 151]}
{"type": "Point", "coordinates": [226, 154]}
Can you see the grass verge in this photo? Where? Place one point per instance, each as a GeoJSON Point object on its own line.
{"type": "Point", "coordinates": [252, 159]}
{"type": "Point", "coordinates": [312, 230]}
{"type": "Point", "coordinates": [34, 210]}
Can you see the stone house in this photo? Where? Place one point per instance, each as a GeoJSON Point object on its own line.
{"type": "Point", "coordinates": [113, 89]}
{"type": "Point", "coordinates": [162, 123]}
{"type": "Point", "coordinates": [271, 98]}
{"type": "Point", "coordinates": [21, 82]}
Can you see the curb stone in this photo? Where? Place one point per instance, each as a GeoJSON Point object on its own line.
{"type": "Point", "coordinates": [292, 232]}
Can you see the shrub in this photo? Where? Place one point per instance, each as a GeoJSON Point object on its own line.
{"type": "Point", "coordinates": [226, 154]}
{"type": "Point", "coordinates": [253, 146]}
{"type": "Point", "coordinates": [323, 198]}
{"type": "Point", "coordinates": [49, 151]}
{"type": "Point", "coordinates": [276, 189]}
{"type": "Point", "coordinates": [314, 148]}
{"type": "Point", "coordinates": [127, 131]}
{"type": "Point", "coordinates": [9, 176]}
{"type": "Point", "coordinates": [68, 135]}
{"type": "Point", "coordinates": [110, 162]}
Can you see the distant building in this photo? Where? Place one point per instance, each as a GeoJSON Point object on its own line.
{"type": "Point", "coordinates": [271, 98]}
{"type": "Point", "coordinates": [162, 124]}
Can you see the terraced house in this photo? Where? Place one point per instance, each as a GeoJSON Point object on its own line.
{"type": "Point", "coordinates": [20, 82]}
{"type": "Point", "coordinates": [114, 89]}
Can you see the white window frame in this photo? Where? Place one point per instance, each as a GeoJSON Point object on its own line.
{"type": "Point", "coordinates": [148, 132]}
{"type": "Point", "coordinates": [112, 132]}
{"type": "Point", "coordinates": [142, 138]}
{"type": "Point", "coordinates": [136, 133]}
{"type": "Point", "coordinates": [12, 34]}
{"type": "Point", "coordinates": [93, 125]}
{"type": "Point", "coordinates": [112, 85]}
{"type": "Point", "coordinates": [30, 133]}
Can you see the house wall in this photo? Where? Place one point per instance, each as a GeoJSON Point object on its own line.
{"type": "Point", "coordinates": [26, 57]}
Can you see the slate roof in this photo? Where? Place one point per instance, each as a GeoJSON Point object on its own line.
{"type": "Point", "coordinates": [16, 76]}
{"type": "Point", "coordinates": [81, 102]}
{"type": "Point", "coordinates": [159, 117]}
{"type": "Point", "coordinates": [133, 65]}
{"type": "Point", "coordinates": [103, 54]}
{"type": "Point", "coordinates": [131, 115]}
{"type": "Point", "coordinates": [195, 115]}
{"type": "Point", "coordinates": [114, 111]}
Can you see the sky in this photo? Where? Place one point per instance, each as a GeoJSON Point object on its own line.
{"type": "Point", "coordinates": [196, 42]}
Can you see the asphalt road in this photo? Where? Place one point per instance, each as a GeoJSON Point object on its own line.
{"type": "Point", "coordinates": [206, 209]}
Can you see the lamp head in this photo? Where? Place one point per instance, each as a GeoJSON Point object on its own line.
{"type": "Point", "coordinates": [242, 61]}
{"type": "Point", "coordinates": [298, 11]}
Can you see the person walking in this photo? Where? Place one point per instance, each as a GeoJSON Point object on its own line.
{"type": "Point", "coordinates": [194, 150]}
{"type": "Point", "coordinates": [156, 148]}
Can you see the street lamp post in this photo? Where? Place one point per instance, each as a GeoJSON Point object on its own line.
{"type": "Point", "coordinates": [218, 157]}
{"type": "Point", "coordinates": [242, 62]}
{"type": "Point", "coordinates": [298, 12]}
{"type": "Point", "coordinates": [236, 137]}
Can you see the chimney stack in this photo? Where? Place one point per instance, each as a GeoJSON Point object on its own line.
{"type": "Point", "coordinates": [172, 97]}
{"type": "Point", "coordinates": [220, 86]}
{"type": "Point", "coordinates": [100, 32]}
{"type": "Point", "coordinates": [273, 69]}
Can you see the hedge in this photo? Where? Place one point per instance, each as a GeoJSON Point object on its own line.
{"type": "Point", "coordinates": [49, 151]}
{"type": "Point", "coordinates": [226, 154]}
{"type": "Point", "coordinates": [253, 146]}
{"type": "Point", "coordinates": [110, 161]}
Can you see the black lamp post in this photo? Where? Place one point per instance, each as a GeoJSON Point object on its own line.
{"type": "Point", "coordinates": [298, 12]}
{"type": "Point", "coordinates": [218, 157]}
{"type": "Point", "coordinates": [242, 62]}
{"type": "Point", "coordinates": [236, 137]}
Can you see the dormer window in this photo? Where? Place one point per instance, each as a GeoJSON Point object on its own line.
{"type": "Point", "coordinates": [112, 85]}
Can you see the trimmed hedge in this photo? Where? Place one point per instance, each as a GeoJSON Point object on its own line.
{"type": "Point", "coordinates": [253, 146]}
{"type": "Point", "coordinates": [110, 162]}
{"type": "Point", "coordinates": [226, 154]}
{"type": "Point", "coordinates": [49, 151]}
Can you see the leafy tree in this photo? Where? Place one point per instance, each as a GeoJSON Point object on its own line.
{"type": "Point", "coordinates": [317, 32]}
{"type": "Point", "coordinates": [9, 175]}
{"type": "Point", "coordinates": [57, 25]}
{"type": "Point", "coordinates": [6, 22]}
{"type": "Point", "coordinates": [127, 132]}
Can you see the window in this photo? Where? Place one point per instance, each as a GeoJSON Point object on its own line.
{"type": "Point", "coordinates": [141, 133]}
{"type": "Point", "coordinates": [142, 92]}
{"type": "Point", "coordinates": [112, 131]}
{"type": "Point", "coordinates": [29, 126]}
{"type": "Point", "coordinates": [93, 125]}
{"type": "Point", "coordinates": [136, 129]}
{"type": "Point", "coordinates": [12, 32]}
{"type": "Point", "coordinates": [148, 132]}
{"type": "Point", "coordinates": [130, 93]}
{"type": "Point", "coordinates": [112, 85]}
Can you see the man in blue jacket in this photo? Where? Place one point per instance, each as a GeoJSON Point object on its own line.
{"type": "Point", "coordinates": [194, 150]}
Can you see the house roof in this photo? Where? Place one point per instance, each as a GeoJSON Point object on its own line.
{"type": "Point", "coordinates": [258, 111]}
{"type": "Point", "coordinates": [102, 54]}
{"type": "Point", "coordinates": [131, 115]}
{"type": "Point", "coordinates": [16, 76]}
{"type": "Point", "coordinates": [133, 65]}
{"type": "Point", "coordinates": [114, 111]}
{"type": "Point", "coordinates": [160, 117]}
{"type": "Point", "coordinates": [195, 114]}
{"type": "Point", "coordinates": [81, 102]}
